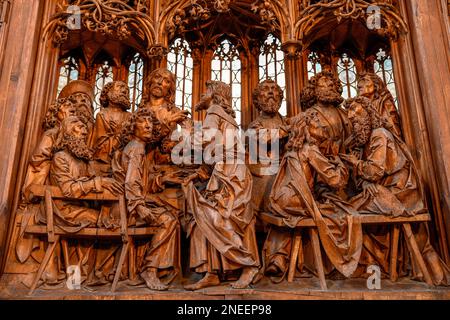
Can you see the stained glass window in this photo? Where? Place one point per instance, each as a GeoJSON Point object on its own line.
{"type": "Point", "coordinates": [136, 81]}
{"type": "Point", "coordinates": [271, 66]}
{"type": "Point", "coordinates": [104, 75]}
{"type": "Point", "coordinates": [69, 71]}
{"type": "Point", "coordinates": [348, 76]}
{"type": "Point", "coordinates": [226, 67]}
{"type": "Point", "coordinates": [180, 62]}
{"type": "Point", "coordinates": [384, 69]}
{"type": "Point", "coordinates": [314, 66]}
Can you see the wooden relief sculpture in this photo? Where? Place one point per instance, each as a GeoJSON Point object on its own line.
{"type": "Point", "coordinates": [146, 204]}
{"type": "Point", "coordinates": [337, 191]}
{"type": "Point", "coordinates": [267, 98]}
{"type": "Point", "coordinates": [222, 229]}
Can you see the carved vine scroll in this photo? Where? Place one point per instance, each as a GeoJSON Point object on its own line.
{"type": "Point", "coordinates": [114, 18]}
{"type": "Point", "coordinates": [313, 13]}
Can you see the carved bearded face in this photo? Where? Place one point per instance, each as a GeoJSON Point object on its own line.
{"type": "Point", "coordinates": [120, 94]}
{"type": "Point", "coordinates": [269, 97]}
{"type": "Point", "coordinates": [83, 105]}
{"type": "Point", "coordinates": [366, 87]}
{"type": "Point", "coordinates": [160, 84]}
{"type": "Point", "coordinates": [143, 129]}
{"type": "Point", "coordinates": [361, 122]}
{"type": "Point", "coordinates": [327, 92]}
{"type": "Point", "coordinates": [74, 138]}
{"type": "Point", "coordinates": [66, 110]}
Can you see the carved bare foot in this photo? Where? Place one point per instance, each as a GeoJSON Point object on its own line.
{"type": "Point", "coordinates": [209, 280]}
{"type": "Point", "coordinates": [152, 281]}
{"type": "Point", "coordinates": [246, 278]}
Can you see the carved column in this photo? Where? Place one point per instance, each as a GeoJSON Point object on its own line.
{"type": "Point", "coordinates": [201, 74]}
{"type": "Point", "coordinates": [422, 68]}
{"type": "Point", "coordinates": [294, 75]}
{"type": "Point", "coordinates": [28, 74]}
{"type": "Point", "coordinates": [157, 57]}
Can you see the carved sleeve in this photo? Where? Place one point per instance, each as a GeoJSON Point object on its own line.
{"type": "Point", "coordinates": [333, 174]}
{"type": "Point", "coordinates": [70, 186]}
{"type": "Point", "coordinates": [373, 169]}
{"type": "Point", "coordinates": [134, 180]}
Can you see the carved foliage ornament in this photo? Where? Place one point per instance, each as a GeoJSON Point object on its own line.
{"type": "Point", "coordinates": [199, 11]}
{"type": "Point", "coordinates": [313, 12]}
{"type": "Point", "coordinates": [113, 18]}
{"type": "Point", "coordinates": [265, 10]}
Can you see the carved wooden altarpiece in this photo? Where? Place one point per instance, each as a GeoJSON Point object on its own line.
{"type": "Point", "coordinates": [102, 98]}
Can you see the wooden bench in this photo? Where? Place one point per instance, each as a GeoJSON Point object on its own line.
{"type": "Point", "coordinates": [55, 233]}
{"type": "Point", "coordinates": [405, 222]}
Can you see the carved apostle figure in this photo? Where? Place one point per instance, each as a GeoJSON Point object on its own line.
{"type": "Point", "coordinates": [70, 172]}
{"type": "Point", "coordinates": [38, 173]}
{"type": "Point", "coordinates": [39, 165]}
{"type": "Point", "coordinates": [295, 196]}
{"type": "Point", "coordinates": [387, 175]}
{"type": "Point", "coordinates": [323, 95]}
{"type": "Point", "coordinates": [389, 184]}
{"type": "Point", "coordinates": [222, 229]}
{"type": "Point", "coordinates": [160, 98]}
{"type": "Point", "coordinates": [144, 186]}
{"type": "Point", "coordinates": [372, 87]}
{"type": "Point", "coordinates": [270, 129]}
{"type": "Point", "coordinates": [81, 93]}
{"type": "Point", "coordinates": [115, 101]}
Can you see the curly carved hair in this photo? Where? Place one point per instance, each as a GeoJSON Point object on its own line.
{"type": "Point", "coordinates": [308, 96]}
{"type": "Point", "coordinates": [221, 95]}
{"type": "Point", "coordinates": [258, 89]}
{"type": "Point", "coordinates": [51, 117]}
{"type": "Point", "coordinates": [127, 133]}
{"type": "Point", "coordinates": [299, 130]}
{"type": "Point", "coordinates": [170, 97]}
{"type": "Point", "coordinates": [375, 118]}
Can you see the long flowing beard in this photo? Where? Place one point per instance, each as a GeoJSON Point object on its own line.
{"type": "Point", "coordinates": [121, 100]}
{"type": "Point", "coordinates": [78, 148]}
{"type": "Point", "coordinates": [270, 106]}
{"type": "Point", "coordinates": [330, 97]}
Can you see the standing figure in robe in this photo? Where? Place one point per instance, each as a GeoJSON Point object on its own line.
{"type": "Point", "coordinates": [222, 228]}
{"type": "Point", "coordinates": [144, 186]}
{"type": "Point", "coordinates": [115, 101]}
{"type": "Point", "coordinates": [269, 125]}
{"type": "Point", "coordinates": [389, 184]}
{"type": "Point", "coordinates": [159, 97]}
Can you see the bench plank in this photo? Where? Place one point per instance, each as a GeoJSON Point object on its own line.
{"type": "Point", "coordinates": [38, 190]}
{"type": "Point", "coordinates": [365, 219]}
{"type": "Point", "coordinates": [92, 232]}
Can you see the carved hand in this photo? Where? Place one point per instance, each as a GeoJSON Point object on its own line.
{"type": "Point", "coordinates": [145, 213]}
{"type": "Point", "coordinates": [112, 185]}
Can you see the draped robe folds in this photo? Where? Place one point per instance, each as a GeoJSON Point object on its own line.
{"type": "Point", "coordinates": [386, 109]}
{"type": "Point", "coordinates": [292, 199]}
{"type": "Point", "coordinates": [37, 173]}
{"type": "Point", "coordinates": [72, 175]}
{"type": "Point", "coordinates": [222, 229]}
{"type": "Point", "coordinates": [106, 135]}
{"type": "Point", "coordinates": [388, 165]}
{"type": "Point", "coordinates": [144, 187]}
{"type": "Point", "coordinates": [264, 173]}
